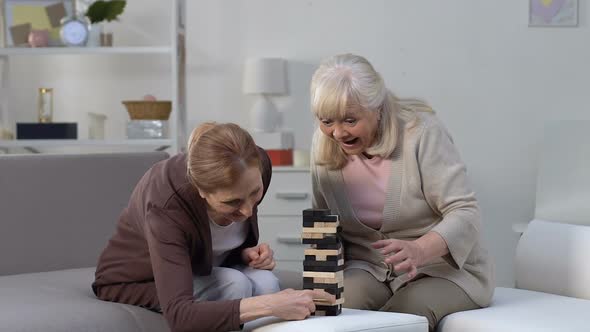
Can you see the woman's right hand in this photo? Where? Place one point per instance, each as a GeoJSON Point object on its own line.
{"type": "Point", "coordinates": [292, 304]}
{"type": "Point", "coordinates": [287, 304]}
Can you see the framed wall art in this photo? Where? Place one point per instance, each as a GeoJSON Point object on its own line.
{"type": "Point", "coordinates": [23, 16]}
{"type": "Point", "coordinates": [553, 13]}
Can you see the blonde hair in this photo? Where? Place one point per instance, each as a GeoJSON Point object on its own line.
{"type": "Point", "coordinates": [218, 154]}
{"type": "Point", "coordinates": [348, 81]}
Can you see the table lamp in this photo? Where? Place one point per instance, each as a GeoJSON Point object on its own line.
{"type": "Point", "coordinates": [264, 77]}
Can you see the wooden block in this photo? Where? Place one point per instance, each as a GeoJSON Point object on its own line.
{"type": "Point", "coordinates": [326, 303]}
{"type": "Point", "coordinates": [328, 307]}
{"type": "Point", "coordinates": [324, 263]}
{"type": "Point", "coordinates": [327, 280]}
{"type": "Point", "coordinates": [322, 241]}
{"type": "Point", "coordinates": [329, 218]}
{"type": "Point", "coordinates": [327, 310]}
{"type": "Point", "coordinates": [317, 236]}
{"type": "Point", "coordinates": [336, 291]}
{"type": "Point", "coordinates": [312, 283]}
{"type": "Point", "coordinates": [328, 224]}
{"type": "Point", "coordinates": [316, 212]}
{"type": "Point", "coordinates": [327, 275]}
{"type": "Point", "coordinates": [323, 258]}
{"type": "Point", "coordinates": [315, 223]}
{"type": "Point", "coordinates": [326, 246]}
{"type": "Point", "coordinates": [336, 268]}
{"type": "Point", "coordinates": [323, 252]}
{"type": "Point", "coordinates": [324, 230]}
{"type": "Point", "coordinates": [308, 221]}
{"type": "Point", "coordinates": [320, 236]}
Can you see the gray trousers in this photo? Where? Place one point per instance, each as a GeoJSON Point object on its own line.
{"type": "Point", "coordinates": [237, 282]}
{"type": "Point", "coordinates": [426, 296]}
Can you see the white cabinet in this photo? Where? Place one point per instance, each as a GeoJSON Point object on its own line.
{"type": "Point", "coordinates": [172, 53]}
{"type": "Point", "coordinates": [280, 215]}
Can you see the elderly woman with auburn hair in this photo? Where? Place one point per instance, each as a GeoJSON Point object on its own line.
{"type": "Point", "coordinates": [187, 243]}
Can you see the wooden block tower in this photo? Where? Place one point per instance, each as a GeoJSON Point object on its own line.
{"type": "Point", "coordinates": [323, 267]}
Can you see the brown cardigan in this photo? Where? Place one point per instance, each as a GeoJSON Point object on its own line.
{"type": "Point", "coordinates": [163, 239]}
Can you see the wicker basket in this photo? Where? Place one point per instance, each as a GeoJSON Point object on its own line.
{"type": "Point", "coordinates": [148, 110]}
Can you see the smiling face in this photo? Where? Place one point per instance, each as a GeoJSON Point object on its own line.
{"type": "Point", "coordinates": [354, 132]}
{"type": "Point", "coordinates": [235, 204]}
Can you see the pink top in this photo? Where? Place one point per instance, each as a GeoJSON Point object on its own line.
{"type": "Point", "coordinates": [366, 185]}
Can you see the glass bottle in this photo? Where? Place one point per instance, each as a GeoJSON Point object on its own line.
{"type": "Point", "coordinates": [45, 105]}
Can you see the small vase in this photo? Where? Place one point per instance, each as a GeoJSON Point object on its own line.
{"type": "Point", "coordinates": [94, 37]}
{"type": "Point", "coordinates": [106, 38]}
{"type": "Point", "coordinates": [39, 38]}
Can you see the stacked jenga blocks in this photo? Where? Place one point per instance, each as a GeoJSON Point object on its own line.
{"type": "Point", "coordinates": [324, 260]}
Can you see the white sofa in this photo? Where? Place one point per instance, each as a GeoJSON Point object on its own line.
{"type": "Point", "coordinates": [57, 213]}
{"type": "Point", "coordinates": [552, 291]}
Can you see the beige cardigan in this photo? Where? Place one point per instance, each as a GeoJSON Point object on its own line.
{"type": "Point", "coordinates": [428, 190]}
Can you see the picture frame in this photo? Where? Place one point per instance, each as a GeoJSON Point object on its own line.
{"type": "Point", "coordinates": [20, 17]}
{"type": "Point", "coordinates": [553, 13]}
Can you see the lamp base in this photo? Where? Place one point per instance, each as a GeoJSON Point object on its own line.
{"type": "Point", "coordinates": [264, 115]}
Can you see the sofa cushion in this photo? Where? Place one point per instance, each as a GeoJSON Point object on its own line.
{"type": "Point", "coordinates": [59, 211]}
{"type": "Point", "coordinates": [553, 257]}
{"type": "Point", "coordinates": [62, 301]}
{"type": "Point", "coordinates": [350, 320]}
{"type": "Point", "coordinates": [522, 310]}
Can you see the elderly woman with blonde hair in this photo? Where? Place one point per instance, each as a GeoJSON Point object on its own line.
{"type": "Point", "coordinates": [410, 222]}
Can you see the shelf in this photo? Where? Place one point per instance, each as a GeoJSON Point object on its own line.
{"type": "Point", "coordinates": [7, 51]}
{"type": "Point", "coordinates": [159, 144]}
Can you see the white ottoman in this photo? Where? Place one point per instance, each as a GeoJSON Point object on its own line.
{"type": "Point", "coordinates": [349, 321]}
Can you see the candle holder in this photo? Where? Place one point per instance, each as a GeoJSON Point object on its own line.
{"type": "Point", "coordinates": [45, 105]}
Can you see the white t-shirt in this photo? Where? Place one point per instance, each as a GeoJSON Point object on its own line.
{"type": "Point", "coordinates": [226, 238]}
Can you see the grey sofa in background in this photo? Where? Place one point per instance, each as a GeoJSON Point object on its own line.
{"type": "Point", "coordinates": [57, 213]}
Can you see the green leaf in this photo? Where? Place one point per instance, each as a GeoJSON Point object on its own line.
{"type": "Point", "coordinates": [115, 9]}
{"type": "Point", "coordinates": [105, 10]}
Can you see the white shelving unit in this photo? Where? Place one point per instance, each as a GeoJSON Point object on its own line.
{"type": "Point", "coordinates": [21, 51]}
{"type": "Point", "coordinates": [33, 145]}
{"type": "Point", "coordinates": [176, 51]}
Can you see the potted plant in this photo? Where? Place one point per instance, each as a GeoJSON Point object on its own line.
{"type": "Point", "coordinates": [101, 11]}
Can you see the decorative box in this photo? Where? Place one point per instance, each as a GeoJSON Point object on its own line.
{"type": "Point", "coordinates": [52, 130]}
{"type": "Point", "coordinates": [145, 129]}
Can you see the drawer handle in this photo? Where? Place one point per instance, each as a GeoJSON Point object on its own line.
{"type": "Point", "coordinates": [289, 239]}
{"type": "Point", "coordinates": [291, 195]}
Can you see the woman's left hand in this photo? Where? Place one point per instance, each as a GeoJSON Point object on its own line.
{"type": "Point", "coordinates": [405, 256]}
{"type": "Point", "coordinates": [259, 257]}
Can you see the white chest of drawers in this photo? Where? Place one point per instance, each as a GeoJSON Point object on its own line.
{"type": "Point", "coordinates": [280, 216]}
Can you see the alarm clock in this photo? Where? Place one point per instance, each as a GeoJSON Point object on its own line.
{"type": "Point", "coordinates": [74, 31]}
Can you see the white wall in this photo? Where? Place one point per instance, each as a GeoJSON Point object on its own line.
{"type": "Point", "coordinates": [493, 80]}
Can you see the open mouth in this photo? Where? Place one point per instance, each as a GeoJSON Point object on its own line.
{"type": "Point", "coordinates": [350, 142]}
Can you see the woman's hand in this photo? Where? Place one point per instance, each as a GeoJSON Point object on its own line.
{"type": "Point", "coordinates": [288, 304]}
{"type": "Point", "coordinates": [259, 257]}
{"type": "Point", "coordinates": [405, 256]}
{"type": "Point", "coordinates": [297, 304]}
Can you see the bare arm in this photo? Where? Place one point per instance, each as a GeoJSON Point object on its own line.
{"type": "Point", "coordinates": [287, 304]}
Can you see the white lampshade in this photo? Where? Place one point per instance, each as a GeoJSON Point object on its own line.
{"type": "Point", "coordinates": [265, 76]}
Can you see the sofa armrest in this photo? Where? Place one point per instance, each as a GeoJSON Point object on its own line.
{"type": "Point", "coordinates": [553, 257]}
